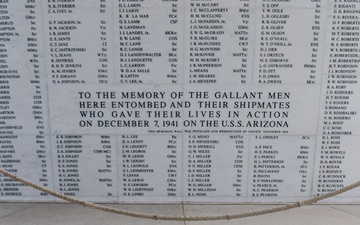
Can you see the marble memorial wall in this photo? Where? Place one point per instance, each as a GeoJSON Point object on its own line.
{"type": "Point", "coordinates": [180, 101]}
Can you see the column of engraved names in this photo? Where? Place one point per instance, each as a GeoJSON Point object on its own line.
{"type": "Point", "coordinates": [79, 38]}
{"type": "Point", "coordinates": [206, 27]}
{"type": "Point", "coordinates": [68, 149]}
{"type": "Point", "coordinates": [339, 112]}
{"type": "Point", "coordinates": [8, 75]}
{"type": "Point", "coordinates": [64, 65]}
{"type": "Point", "coordinates": [149, 168]}
{"type": "Point", "coordinates": [22, 77]}
{"type": "Point", "coordinates": [85, 166]}
{"type": "Point", "coordinates": [278, 38]}
{"type": "Point", "coordinates": [67, 164]}
{"type": "Point", "coordinates": [148, 52]}
{"type": "Point", "coordinates": [134, 166]}
{"type": "Point", "coordinates": [273, 36]}
{"type": "Point", "coordinates": [215, 166]}
{"type": "Point", "coordinates": [266, 165]}
{"type": "Point", "coordinates": [199, 164]}
{"type": "Point", "coordinates": [276, 166]}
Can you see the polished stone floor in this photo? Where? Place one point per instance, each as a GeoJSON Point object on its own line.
{"type": "Point", "coordinates": [45, 214]}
